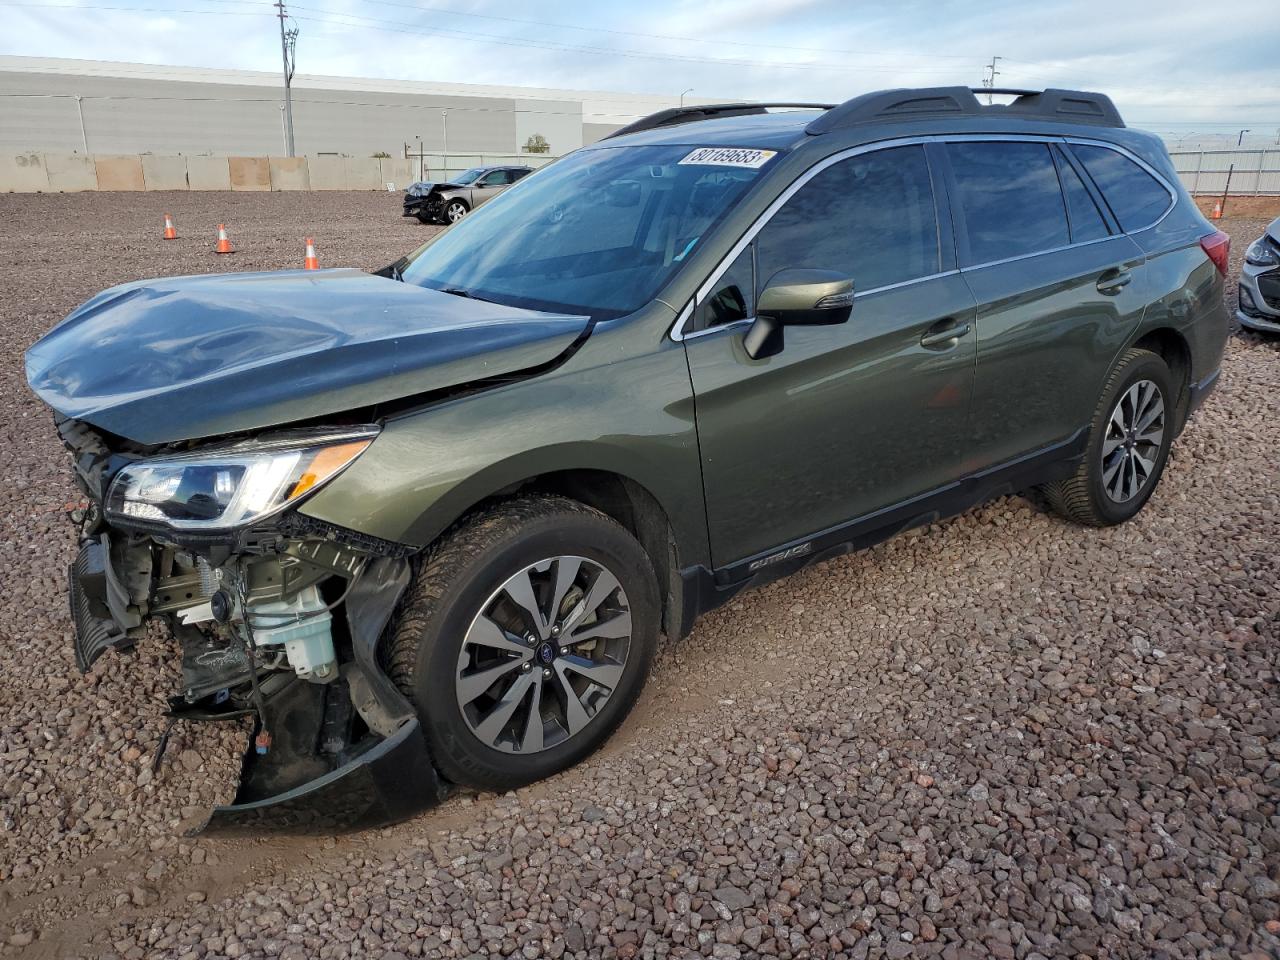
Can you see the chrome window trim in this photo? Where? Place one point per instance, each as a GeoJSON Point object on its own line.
{"type": "Point", "coordinates": [857, 295]}
{"type": "Point", "coordinates": [1155, 174]}
{"type": "Point", "coordinates": [686, 315]}
{"type": "Point", "coordinates": [1040, 253]}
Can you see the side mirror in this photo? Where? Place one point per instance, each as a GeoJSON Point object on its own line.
{"type": "Point", "coordinates": [797, 297]}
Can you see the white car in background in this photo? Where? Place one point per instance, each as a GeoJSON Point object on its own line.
{"type": "Point", "coordinates": [1260, 283]}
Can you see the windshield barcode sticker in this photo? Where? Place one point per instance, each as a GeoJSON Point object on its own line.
{"type": "Point", "coordinates": [730, 157]}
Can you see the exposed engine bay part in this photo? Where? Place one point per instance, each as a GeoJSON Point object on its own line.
{"type": "Point", "coordinates": [284, 632]}
{"type": "Point", "coordinates": [318, 777]}
{"type": "Point", "coordinates": [302, 626]}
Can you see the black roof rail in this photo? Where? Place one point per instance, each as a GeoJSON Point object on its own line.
{"type": "Point", "coordinates": [707, 111]}
{"type": "Point", "coordinates": [1068, 106]}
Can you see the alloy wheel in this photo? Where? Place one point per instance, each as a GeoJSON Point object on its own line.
{"type": "Point", "coordinates": [455, 212]}
{"type": "Point", "coordinates": [1131, 446]}
{"type": "Point", "coordinates": [544, 655]}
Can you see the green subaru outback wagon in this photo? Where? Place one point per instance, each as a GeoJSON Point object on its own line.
{"type": "Point", "coordinates": [424, 527]}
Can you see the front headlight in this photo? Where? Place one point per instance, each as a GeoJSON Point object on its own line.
{"type": "Point", "coordinates": [1262, 254]}
{"type": "Point", "coordinates": [233, 486]}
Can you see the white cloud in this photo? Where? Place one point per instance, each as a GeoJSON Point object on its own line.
{"type": "Point", "coordinates": [1185, 63]}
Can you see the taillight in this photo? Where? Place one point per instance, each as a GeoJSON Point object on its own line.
{"type": "Point", "coordinates": [1217, 246]}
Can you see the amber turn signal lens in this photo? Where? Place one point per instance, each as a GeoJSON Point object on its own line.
{"type": "Point", "coordinates": [327, 462]}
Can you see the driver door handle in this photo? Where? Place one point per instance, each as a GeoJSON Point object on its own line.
{"type": "Point", "coordinates": [944, 333]}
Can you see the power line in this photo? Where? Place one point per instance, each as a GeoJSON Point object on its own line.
{"type": "Point", "coordinates": [327, 18]}
{"type": "Point", "coordinates": [664, 36]}
{"type": "Point", "coordinates": [170, 10]}
{"type": "Point", "coordinates": [397, 26]}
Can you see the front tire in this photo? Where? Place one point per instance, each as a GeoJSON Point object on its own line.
{"type": "Point", "coordinates": [1129, 440]}
{"type": "Point", "coordinates": [455, 210]}
{"type": "Point", "coordinates": [525, 639]}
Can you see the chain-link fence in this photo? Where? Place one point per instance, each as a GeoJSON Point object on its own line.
{"type": "Point", "coordinates": [1237, 173]}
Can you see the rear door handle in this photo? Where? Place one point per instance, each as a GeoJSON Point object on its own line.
{"type": "Point", "coordinates": [944, 333]}
{"type": "Point", "coordinates": [1113, 281]}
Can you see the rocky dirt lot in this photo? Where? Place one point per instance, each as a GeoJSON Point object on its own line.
{"type": "Point", "coordinates": [1004, 736]}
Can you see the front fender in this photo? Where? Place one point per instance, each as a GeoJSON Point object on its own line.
{"type": "Point", "coordinates": [622, 404]}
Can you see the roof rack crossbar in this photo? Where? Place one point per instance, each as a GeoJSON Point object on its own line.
{"type": "Point", "coordinates": [1070, 106]}
{"type": "Point", "coordinates": [708, 111]}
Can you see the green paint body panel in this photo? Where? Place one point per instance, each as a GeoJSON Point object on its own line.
{"type": "Point", "coordinates": [844, 416]}
{"type": "Point", "coordinates": [622, 403]}
{"type": "Point", "coordinates": [848, 420]}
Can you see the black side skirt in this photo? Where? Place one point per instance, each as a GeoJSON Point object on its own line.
{"type": "Point", "coordinates": [705, 590]}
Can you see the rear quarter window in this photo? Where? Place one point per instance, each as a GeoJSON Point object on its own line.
{"type": "Point", "coordinates": [1136, 198]}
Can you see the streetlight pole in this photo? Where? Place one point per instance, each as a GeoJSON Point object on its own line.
{"type": "Point", "coordinates": [690, 90]}
{"type": "Point", "coordinates": [84, 138]}
{"type": "Point", "coordinates": [1240, 139]}
{"type": "Point", "coordinates": [444, 126]}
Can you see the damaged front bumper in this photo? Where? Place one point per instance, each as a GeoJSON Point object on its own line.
{"type": "Point", "coordinates": [428, 206]}
{"type": "Point", "coordinates": [327, 751]}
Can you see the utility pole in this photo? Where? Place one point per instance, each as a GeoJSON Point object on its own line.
{"type": "Point", "coordinates": [288, 52]}
{"type": "Point", "coordinates": [989, 81]}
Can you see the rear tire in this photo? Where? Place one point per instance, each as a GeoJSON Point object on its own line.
{"type": "Point", "coordinates": [551, 599]}
{"type": "Point", "coordinates": [1128, 446]}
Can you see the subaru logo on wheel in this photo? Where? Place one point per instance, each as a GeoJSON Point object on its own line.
{"type": "Point", "coordinates": [546, 653]}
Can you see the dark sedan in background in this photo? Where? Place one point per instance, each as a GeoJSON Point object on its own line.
{"type": "Point", "coordinates": [451, 201]}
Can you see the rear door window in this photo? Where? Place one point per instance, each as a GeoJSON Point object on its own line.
{"type": "Point", "coordinates": [1086, 220]}
{"type": "Point", "coordinates": [870, 217]}
{"type": "Point", "coordinates": [1136, 198]}
{"type": "Point", "coordinates": [1010, 198]}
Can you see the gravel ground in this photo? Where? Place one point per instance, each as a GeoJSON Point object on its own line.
{"type": "Point", "coordinates": [1004, 736]}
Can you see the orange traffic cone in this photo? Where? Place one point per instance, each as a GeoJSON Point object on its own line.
{"type": "Point", "coordinates": [224, 242]}
{"type": "Point", "coordinates": [311, 261]}
{"type": "Point", "coordinates": [170, 232]}
{"type": "Point", "coordinates": [1217, 211]}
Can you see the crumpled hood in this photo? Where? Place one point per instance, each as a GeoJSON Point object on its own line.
{"type": "Point", "coordinates": [424, 187]}
{"type": "Point", "coordinates": [180, 358]}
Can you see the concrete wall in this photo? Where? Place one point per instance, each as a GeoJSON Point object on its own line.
{"type": "Point", "coordinates": [594, 132]}
{"type": "Point", "coordinates": [164, 173]}
{"type": "Point", "coordinates": [23, 173]}
{"type": "Point", "coordinates": [290, 173]}
{"type": "Point", "coordinates": [68, 172]}
{"type": "Point", "coordinates": [71, 172]}
{"type": "Point", "coordinates": [250, 173]}
{"type": "Point", "coordinates": [120, 173]}
{"type": "Point", "coordinates": [208, 173]}
{"type": "Point", "coordinates": [43, 111]}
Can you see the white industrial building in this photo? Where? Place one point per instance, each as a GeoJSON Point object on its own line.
{"type": "Point", "coordinates": [99, 107]}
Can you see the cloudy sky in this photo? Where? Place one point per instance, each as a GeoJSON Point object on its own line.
{"type": "Point", "coordinates": [1191, 66]}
